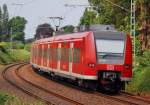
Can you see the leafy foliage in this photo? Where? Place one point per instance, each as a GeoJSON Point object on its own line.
{"type": "Point", "coordinates": [17, 25]}
{"type": "Point", "coordinates": [141, 80]}
{"type": "Point", "coordinates": [4, 19]}
{"type": "Point", "coordinates": [107, 13]}
{"type": "Point", "coordinates": [3, 98]}
{"type": "Point", "coordinates": [6, 99]}
{"type": "Point", "coordinates": [88, 18]}
{"type": "Point", "coordinates": [8, 55]}
{"type": "Point", "coordinates": [43, 31]}
{"type": "Point", "coordinates": [14, 26]}
{"type": "Point", "coordinates": [68, 29]}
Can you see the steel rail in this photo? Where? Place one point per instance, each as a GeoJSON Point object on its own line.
{"type": "Point", "coordinates": [125, 94]}
{"type": "Point", "coordinates": [115, 98]}
{"type": "Point", "coordinates": [18, 87]}
{"type": "Point", "coordinates": [48, 91]}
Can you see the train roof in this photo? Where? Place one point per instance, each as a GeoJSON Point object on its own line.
{"type": "Point", "coordinates": [71, 36]}
{"type": "Point", "coordinates": [109, 35]}
{"type": "Point", "coordinates": [81, 35]}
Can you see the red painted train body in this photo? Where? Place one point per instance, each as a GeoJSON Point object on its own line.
{"type": "Point", "coordinates": [92, 59]}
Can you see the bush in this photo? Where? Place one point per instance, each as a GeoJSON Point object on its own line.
{"type": "Point", "coordinates": [5, 99]}
{"type": "Point", "coordinates": [18, 45]}
{"type": "Point", "coordinates": [28, 47]}
{"type": "Point", "coordinates": [8, 55]}
{"type": "Point", "coordinates": [141, 80]}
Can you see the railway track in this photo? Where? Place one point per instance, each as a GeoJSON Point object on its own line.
{"type": "Point", "coordinates": [125, 94]}
{"type": "Point", "coordinates": [126, 98]}
{"type": "Point", "coordinates": [123, 97]}
{"type": "Point", "coordinates": [23, 89]}
{"type": "Point", "coordinates": [115, 99]}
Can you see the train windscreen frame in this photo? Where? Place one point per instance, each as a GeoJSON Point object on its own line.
{"type": "Point", "coordinates": [110, 48]}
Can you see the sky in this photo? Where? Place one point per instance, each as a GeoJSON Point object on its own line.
{"type": "Point", "coordinates": [37, 12]}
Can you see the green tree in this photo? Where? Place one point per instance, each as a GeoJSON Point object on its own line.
{"type": "Point", "coordinates": [5, 19]}
{"type": "Point", "coordinates": [17, 26]}
{"type": "Point", "coordinates": [0, 23]}
{"type": "Point", "coordinates": [88, 18]}
{"type": "Point", "coordinates": [68, 28]}
{"type": "Point", "coordinates": [120, 17]}
{"type": "Point", "coordinates": [143, 18]}
{"type": "Point", "coordinates": [107, 13]}
{"type": "Point", "coordinates": [44, 31]}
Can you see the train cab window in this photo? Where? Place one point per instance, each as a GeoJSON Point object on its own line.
{"type": "Point", "coordinates": [110, 51]}
{"type": "Point", "coordinates": [76, 55]}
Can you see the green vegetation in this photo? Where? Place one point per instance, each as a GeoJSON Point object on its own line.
{"type": "Point", "coordinates": [11, 28]}
{"type": "Point", "coordinates": [20, 52]}
{"type": "Point", "coordinates": [68, 28]}
{"type": "Point", "coordinates": [141, 81]}
{"type": "Point", "coordinates": [6, 99]}
{"type": "Point", "coordinates": [107, 12]}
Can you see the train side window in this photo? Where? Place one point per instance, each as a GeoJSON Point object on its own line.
{"type": "Point", "coordinates": [64, 54]}
{"type": "Point", "coordinates": [48, 53]}
{"type": "Point", "coordinates": [76, 56]}
{"type": "Point", "coordinates": [35, 52]}
{"type": "Point", "coordinates": [67, 54]}
{"type": "Point", "coordinates": [70, 54]}
{"type": "Point", "coordinates": [40, 52]}
{"type": "Point", "coordinates": [58, 53]}
{"type": "Point", "coordinates": [32, 51]}
{"type": "Point", "coordinates": [45, 53]}
{"type": "Point", "coordinates": [55, 54]}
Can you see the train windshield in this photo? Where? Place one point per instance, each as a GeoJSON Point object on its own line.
{"type": "Point", "coordinates": [110, 51]}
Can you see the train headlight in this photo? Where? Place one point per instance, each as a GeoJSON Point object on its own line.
{"type": "Point", "coordinates": [127, 66]}
{"type": "Point", "coordinates": [92, 65]}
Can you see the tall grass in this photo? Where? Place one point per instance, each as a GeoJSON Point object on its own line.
{"type": "Point", "coordinates": [6, 99]}
{"type": "Point", "coordinates": [141, 78]}
{"type": "Point", "coordinates": [20, 52]}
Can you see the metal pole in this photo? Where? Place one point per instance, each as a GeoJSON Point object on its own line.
{"type": "Point", "coordinates": [132, 28]}
{"type": "Point", "coordinates": [11, 39]}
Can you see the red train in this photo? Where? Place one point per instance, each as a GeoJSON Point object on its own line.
{"type": "Point", "coordinates": [92, 59]}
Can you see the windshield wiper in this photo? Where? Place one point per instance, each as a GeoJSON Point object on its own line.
{"type": "Point", "coordinates": [110, 54]}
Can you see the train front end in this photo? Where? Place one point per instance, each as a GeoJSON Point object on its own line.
{"type": "Point", "coordinates": [114, 60]}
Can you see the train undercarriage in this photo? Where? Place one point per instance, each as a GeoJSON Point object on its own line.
{"type": "Point", "coordinates": [110, 81]}
{"type": "Point", "coordinates": [107, 81]}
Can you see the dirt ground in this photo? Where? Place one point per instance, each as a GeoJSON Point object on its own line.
{"type": "Point", "coordinates": [1, 66]}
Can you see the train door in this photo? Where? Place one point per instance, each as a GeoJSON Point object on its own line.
{"type": "Point", "coordinates": [48, 55]}
{"type": "Point", "coordinates": [64, 65]}
{"type": "Point", "coordinates": [58, 56]}
{"type": "Point", "coordinates": [77, 58]}
{"type": "Point", "coordinates": [32, 55]}
{"type": "Point", "coordinates": [54, 56]}
{"type": "Point", "coordinates": [36, 53]}
{"type": "Point", "coordinates": [70, 57]}
{"type": "Point", "coordinates": [45, 55]}
{"type": "Point", "coordinates": [39, 54]}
